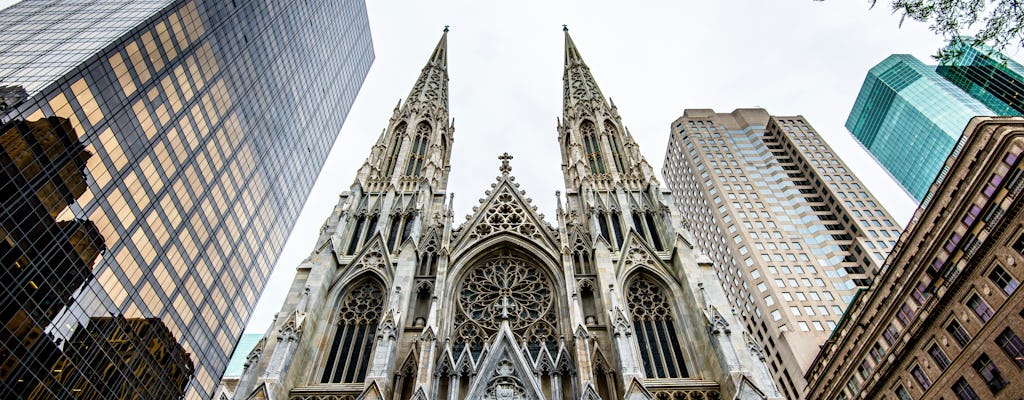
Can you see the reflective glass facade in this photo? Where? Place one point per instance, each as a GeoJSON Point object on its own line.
{"type": "Point", "coordinates": [988, 76]}
{"type": "Point", "coordinates": [155, 155]}
{"type": "Point", "coordinates": [909, 117]}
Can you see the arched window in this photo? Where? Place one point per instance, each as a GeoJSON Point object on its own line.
{"type": "Point", "coordinates": [357, 233]}
{"type": "Point", "coordinates": [396, 146]}
{"type": "Point", "coordinates": [419, 149]}
{"type": "Point", "coordinates": [613, 136]}
{"type": "Point", "coordinates": [593, 147]}
{"type": "Point", "coordinates": [645, 225]}
{"type": "Point", "coordinates": [396, 225]}
{"type": "Point", "coordinates": [358, 315]}
{"type": "Point", "coordinates": [655, 330]}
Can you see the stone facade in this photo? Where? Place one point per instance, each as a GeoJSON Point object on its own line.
{"type": "Point", "coordinates": [611, 301]}
{"type": "Point", "coordinates": [944, 318]}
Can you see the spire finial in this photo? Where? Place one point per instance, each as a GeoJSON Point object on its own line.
{"type": "Point", "coordinates": [565, 28]}
{"type": "Point", "coordinates": [446, 29]}
{"type": "Point", "coordinates": [505, 168]}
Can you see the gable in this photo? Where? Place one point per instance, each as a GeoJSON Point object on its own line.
{"type": "Point", "coordinates": [504, 373]}
{"type": "Point", "coordinates": [505, 210]}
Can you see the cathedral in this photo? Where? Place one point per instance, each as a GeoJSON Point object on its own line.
{"type": "Point", "coordinates": [609, 300]}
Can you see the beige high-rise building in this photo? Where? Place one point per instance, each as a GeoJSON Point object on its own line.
{"type": "Point", "coordinates": [944, 320]}
{"type": "Point", "coordinates": [792, 233]}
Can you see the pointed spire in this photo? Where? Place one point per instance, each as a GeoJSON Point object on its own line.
{"type": "Point", "coordinates": [578, 83]}
{"type": "Point", "coordinates": [440, 55]}
{"type": "Point", "coordinates": [432, 83]}
{"type": "Point", "coordinates": [572, 54]}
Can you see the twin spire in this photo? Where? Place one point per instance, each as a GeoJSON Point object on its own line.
{"type": "Point", "coordinates": [578, 83]}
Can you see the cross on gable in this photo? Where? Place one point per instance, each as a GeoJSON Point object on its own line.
{"type": "Point", "coordinates": [505, 168]}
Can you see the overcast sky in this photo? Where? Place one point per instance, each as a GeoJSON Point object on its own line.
{"type": "Point", "coordinates": [655, 60]}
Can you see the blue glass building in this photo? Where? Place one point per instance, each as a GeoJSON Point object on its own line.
{"type": "Point", "coordinates": [987, 75]}
{"type": "Point", "coordinates": [909, 118]}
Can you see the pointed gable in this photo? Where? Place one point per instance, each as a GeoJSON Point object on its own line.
{"type": "Point", "coordinates": [373, 256]}
{"type": "Point", "coordinates": [504, 372]}
{"type": "Point", "coordinates": [637, 253]}
{"type": "Point", "coordinates": [506, 209]}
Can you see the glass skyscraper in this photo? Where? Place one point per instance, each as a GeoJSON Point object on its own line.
{"type": "Point", "coordinates": [909, 118]}
{"type": "Point", "coordinates": [987, 75]}
{"type": "Point", "coordinates": [155, 155]}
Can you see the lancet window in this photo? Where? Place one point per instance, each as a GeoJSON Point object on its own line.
{"type": "Point", "coordinates": [362, 231]}
{"type": "Point", "coordinates": [359, 313]}
{"type": "Point", "coordinates": [419, 149]}
{"type": "Point", "coordinates": [646, 225]}
{"type": "Point", "coordinates": [654, 324]}
{"type": "Point", "coordinates": [593, 147]}
{"type": "Point", "coordinates": [505, 287]}
{"type": "Point", "coordinates": [610, 219]}
{"type": "Point", "coordinates": [396, 146]}
{"type": "Point", "coordinates": [401, 228]}
{"type": "Point", "coordinates": [613, 136]}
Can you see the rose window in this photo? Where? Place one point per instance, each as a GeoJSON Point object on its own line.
{"type": "Point", "coordinates": [505, 287]}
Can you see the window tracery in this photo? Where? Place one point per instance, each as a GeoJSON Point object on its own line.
{"type": "Point", "coordinates": [613, 136]}
{"type": "Point", "coordinates": [506, 213]}
{"type": "Point", "coordinates": [419, 149]}
{"type": "Point", "coordinates": [655, 330]}
{"type": "Point", "coordinates": [392, 161]}
{"type": "Point", "coordinates": [592, 146]}
{"type": "Point", "coordinates": [505, 287]}
{"type": "Point", "coordinates": [359, 313]}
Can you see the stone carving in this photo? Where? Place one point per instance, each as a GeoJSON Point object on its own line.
{"type": "Point", "coordinates": [505, 287]}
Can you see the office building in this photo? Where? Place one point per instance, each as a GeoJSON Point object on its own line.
{"type": "Point", "coordinates": [610, 301]}
{"type": "Point", "coordinates": [790, 230]}
{"type": "Point", "coordinates": [155, 156]}
{"type": "Point", "coordinates": [987, 75]}
{"type": "Point", "coordinates": [944, 320]}
{"type": "Point", "coordinates": [909, 117]}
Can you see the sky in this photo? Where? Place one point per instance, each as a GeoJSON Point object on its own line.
{"type": "Point", "coordinates": [654, 58]}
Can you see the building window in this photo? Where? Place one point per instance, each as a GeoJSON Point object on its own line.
{"type": "Point", "coordinates": [980, 307]}
{"type": "Point", "coordinates": [990, 373]}
{"type": "Point", "coordinates": [419, 150]}
{"type": "Point", "coordinates": [901, 393]}
{"type": "Point", "coordinates": [877, 352]}
{"type": "Point", "coordinates": [939, 356]}
{"type": "Point", "coordinates": [592, 147]}
{"type": "Point", "coordinates": [1012, 345]}
{"type": "Point", "coordinates": [358, 315]}
{"type": "Point", "coordinates": [654, 324]}
{"type": "Point", "coordinates": [905, 314]}
{"type": "Point", "coordinates": [964, 391]}
{"type": "Point", "coordinates": [960, 335]}
{"type": "Point", "coordinates": [613, 135]}
{"type": "Point", "coordinates": [392, 161]}
{"type": "Point", "coordinates": [890, 334]}
{"type": "Point", "coordinates": [1004, 280]}
{"type": "Point", "coordinates": [921, 378]}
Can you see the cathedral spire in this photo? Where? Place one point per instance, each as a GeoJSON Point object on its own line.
{"type": "Point", "coordinates": [595, 144]}
{"type": "Point", "coordinates": [432, 84]}
{"type": "Point", "coordinates": [416, 145]}
{"type": "Point", "coordinates": [579, 84]}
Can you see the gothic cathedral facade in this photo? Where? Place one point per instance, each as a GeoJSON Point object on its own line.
{"type": "Point", "coordinates": [610, 301]}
